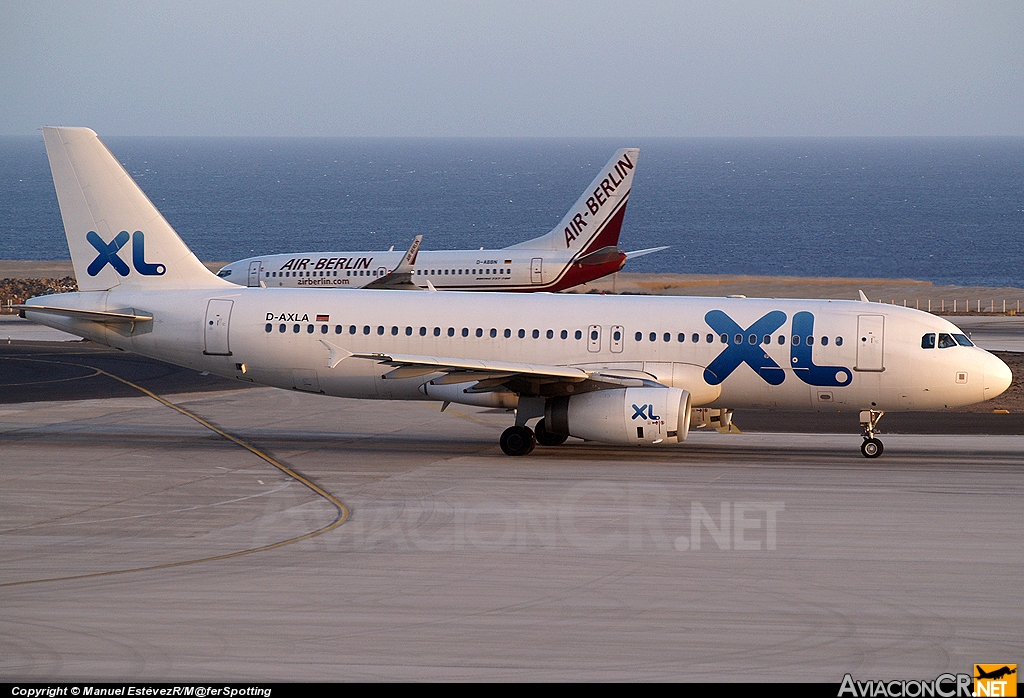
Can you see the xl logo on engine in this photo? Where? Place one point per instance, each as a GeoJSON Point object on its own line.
{"type": "Point", "coordinates": [107, 253]}
{"type": "Point", "coordinates": [645, 412]}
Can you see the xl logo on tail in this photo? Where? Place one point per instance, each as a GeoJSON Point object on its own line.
{"type": "Point", "coordinates": [107, 253]}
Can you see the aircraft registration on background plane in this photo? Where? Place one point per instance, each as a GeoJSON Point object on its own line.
{"type": "Point", "coordinates": [629, 370]}
{"type": "Point", "coordinates": [583, 247]}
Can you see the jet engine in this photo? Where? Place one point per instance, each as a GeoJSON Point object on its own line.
{"type": "Point", "coordinates": [641, 416]}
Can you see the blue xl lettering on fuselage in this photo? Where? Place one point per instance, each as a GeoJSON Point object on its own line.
{"type": "Point", "coordinates": [107, 253]}
{"type": "Point", "coordinates": [750, 351]}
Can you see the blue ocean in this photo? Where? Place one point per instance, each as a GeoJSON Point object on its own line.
{"type": "Point", "coordinates": [950, 211]}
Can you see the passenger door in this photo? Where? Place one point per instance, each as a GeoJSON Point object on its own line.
{"type": "Point", "coordinates": [870, 342]}
{"type": "Point", "coordinates": [218, 316]}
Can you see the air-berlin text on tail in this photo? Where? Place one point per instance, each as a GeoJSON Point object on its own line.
{"type": "Point", "coordinates": [604, 191]}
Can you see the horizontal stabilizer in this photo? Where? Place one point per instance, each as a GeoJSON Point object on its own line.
{"type": "Point", "coordinates": [104, 317]}
{"type": "Point", "coordinates": [650, 250]}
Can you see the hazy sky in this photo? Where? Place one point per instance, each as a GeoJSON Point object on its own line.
{"type": "Point", "coordinates": [717, 68]}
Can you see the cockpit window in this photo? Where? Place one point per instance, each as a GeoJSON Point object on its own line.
{"type": "Point", "coordinates": [928, 341]}
{"type": "Point", "coordinates": [946, 341]}
{"type": "Point", "coordinates": [962, 340]}
{"type": "Point", "coordinates": [224, 273]}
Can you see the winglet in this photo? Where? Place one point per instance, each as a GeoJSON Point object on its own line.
{"type": "Point", "coordinates": [401, 276]}
{"type": "Point", "coordinates": [337, 354]}
{"type": "Point", "coordinates": [863, 297]}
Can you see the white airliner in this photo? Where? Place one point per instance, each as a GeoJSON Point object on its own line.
{"type": "Point", "coordinates": [613, 369]}
{"type": "Point", "coordinates": [583, 247]}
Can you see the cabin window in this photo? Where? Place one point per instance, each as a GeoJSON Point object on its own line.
{"type": "Point", "coordinates": [493, 332]}
{"type": "Point", "coordinates": [536, 334]}
{"type": "Point", "coordinates": [796, 340]}
{"type": "Point", "coordinates": [724, 338]}
{"type": "Point", "coordinates": [324, 329]}
{"type": "Point", "coordinates": [408, 332]}
{"type": "Point", "coordinates": [579, 334]}
{"type": "Point", "coordinates": [710, 338]}
{"type": "Point", "coordinates": [782, 339]}
{"type": "Point", "coordinates": [667, 337]}
{"type": "Point", "coordinates": [810, 341]}
{"type": "Point", "coordinates": [394, 331]}
{"type": "Point", "coordinates": [507, 333]}
{"type": "Point", "coordinates": [551, 334]}
{"type": "Point", "coordinates": [593, 335]}
{"type": "Point", "coordinates": [366, 329]}
{"type": "Point", "coordinates": [653, 336]}
{"type": "Point", "coordinates": [479, 332]}
{"type": "Point", "coordinates": [351, 329]}
{"type": "Point", "coordinates": [681, 338]}
{"type": "Point", "coordinates": [423, 332]}
{"type": "Point", "coordinates": [564, 334]}
{"type": "Point", "coordinates": [280, 328]}
{"type": "Point", "coordinates": [752, 339]}
{"type": "Point", "coordinates": [465, 331]}
{"type": "Point", "coordinates": [295, 329]}
{"type": "Point", "coordinates": [451, 331]}
{"type": "Point", "coordinates": [695, 338]}
{"type": "Point", "coordinates": [522, 333]}
{"type": "Point", "coordinates": [738, 339]}
{"type": "Point", "coordinates": [337, 329]}
{"type": "Point", "coordinates": [839, 341]}
{"type": "Point", "coordinates": [437, 331]}
{"type": "Point", "coordinates": [639, 336]}
{"type": "Point", "coordinates": [270, 327]}
{"type": "Point", "coordinates": [767, 339]}
{"type": "Point", "coordinates": [380, 329]}
{"type": "Point", "coordinates": [616, 335]}
{"type": "Point", "coordinates": [824, 341]}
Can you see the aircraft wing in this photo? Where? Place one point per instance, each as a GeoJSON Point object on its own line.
{"type": "Point", "coordinates": [108, 318]}
{"type": "Point", "coordinates": [640, 253]}
{"type": "Point", "coordinates": [401, 276]}
{"type": "Point", "coordinates": [491, 374]}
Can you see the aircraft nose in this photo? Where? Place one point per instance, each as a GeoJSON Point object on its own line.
{"type": "Point", "coordinates": [997, 377]}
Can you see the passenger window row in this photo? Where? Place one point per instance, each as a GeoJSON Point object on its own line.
{"type": "Point", "coordinates": [288, 274]}
{"type": "Point", "coordinates": [460, 272]}
{"type": "Point", "coordinates": [735, 339]}
{"type": "Point", "coordinates": [422, 332]}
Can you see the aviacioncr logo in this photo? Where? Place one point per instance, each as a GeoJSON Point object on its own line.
{"type": "Point", "coordinates": [108, 253]}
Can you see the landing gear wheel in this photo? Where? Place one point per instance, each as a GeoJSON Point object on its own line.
{"type": "Point", "coordinates": [517, 441]}
{"type": "Point", "coordinates": [871, 448]}
{"type": "Point", "coordinates": [546, 438]}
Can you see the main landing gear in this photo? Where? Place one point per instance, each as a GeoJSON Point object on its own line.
{"type": "Point", "coordinates": [518, 441]}
{"type": "Point", "coordinates": [546, 438]}
{"type": "Point", "coordinates": [872, 447]}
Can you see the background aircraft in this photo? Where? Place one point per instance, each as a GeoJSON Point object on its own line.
{"type": "Point", "coordinates": [583, 247]}
{"type": "Point", "coordinates": [614, 369]}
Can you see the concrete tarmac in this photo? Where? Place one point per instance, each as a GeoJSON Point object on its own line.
{"type": "Point", "coordinates": [735, 557]}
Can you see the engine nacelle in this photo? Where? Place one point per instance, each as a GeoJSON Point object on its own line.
{"type": "Point", "coordinates": [640, 416]}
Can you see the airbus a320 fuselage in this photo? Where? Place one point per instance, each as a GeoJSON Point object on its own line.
{"type": "Point", "coordinates": [621, 370]}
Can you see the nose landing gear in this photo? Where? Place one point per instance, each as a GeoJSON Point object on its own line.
{"type": "Point", "coordinates": [872, 447]}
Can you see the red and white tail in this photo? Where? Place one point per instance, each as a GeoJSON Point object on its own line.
{"type": "Point", "coordinates": [595, 221]}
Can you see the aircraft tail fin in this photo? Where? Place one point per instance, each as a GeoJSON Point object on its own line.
{"type": "Point", "coordinates": [115, 234]}
{"type": "Point", "coordinates": [595, 221]}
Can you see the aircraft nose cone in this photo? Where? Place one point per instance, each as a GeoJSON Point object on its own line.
{"type": "Point", "coordinates": [997, 377]}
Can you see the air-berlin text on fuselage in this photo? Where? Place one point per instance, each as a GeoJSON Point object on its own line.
{"type": "Point", "coordinates": [288, 317]}
{"type": "Point", "coordinates": [298, 263]}
{"type": "Point", "coordinates": [605, 190]}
